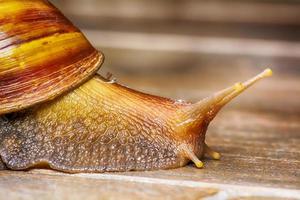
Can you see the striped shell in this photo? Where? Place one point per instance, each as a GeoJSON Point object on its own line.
{"type": "Point", "coordinates": [42, 54]}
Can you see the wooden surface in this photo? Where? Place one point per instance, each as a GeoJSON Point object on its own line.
{"type": "Point", "coordinates": [175, 56]}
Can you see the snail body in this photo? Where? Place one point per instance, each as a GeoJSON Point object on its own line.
{"type": "Point", "coordinates": [56, 112]}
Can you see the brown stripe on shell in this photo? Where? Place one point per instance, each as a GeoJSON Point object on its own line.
{"type": "Point", "coordinates": [41, 22]}
{"type": "Point", "coordinates": [46, 87]}
{"type": "Point", "coordinates": [15, 34]}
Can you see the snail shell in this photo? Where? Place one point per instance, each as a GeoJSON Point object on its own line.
{"type": "Point", "coordinates": [88, 124]}
{"type": "Point", "coordinates": [42, 54]}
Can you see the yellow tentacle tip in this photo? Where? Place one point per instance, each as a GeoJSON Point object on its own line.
{"type": "Point", "coordinates": [268, 72]}
{"type": "Point", "coordinates": [216, 155]}
{"type": "Point", "coordinates": [199, 164]}
{"type": "Point", "coordinates": [211, 153]}
{"type": "Point", "coordinates": [238, 86]}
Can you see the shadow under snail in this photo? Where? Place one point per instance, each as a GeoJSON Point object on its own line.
{"type": "Point", "coordinates": [57, 112]}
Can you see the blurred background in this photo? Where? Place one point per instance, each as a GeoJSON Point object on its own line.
{"type": "Point", "coordinates": [187, 49]}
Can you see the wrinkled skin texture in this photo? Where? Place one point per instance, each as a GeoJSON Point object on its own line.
{"type": "Point", "coordinates": [99, 127]}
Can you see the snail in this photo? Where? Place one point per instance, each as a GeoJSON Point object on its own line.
{"type": "Point", "coordinates": [56, 112]}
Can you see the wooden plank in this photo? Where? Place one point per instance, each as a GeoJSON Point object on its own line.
{"type": "Point", "coordinates": [18, 185]}
{"type": "Point", "coordinates": [49, 184]}
{"type": "Point", "coordinates": [220, 11]}
{"type": "Point", "coordinates": [204, 45]}
{"type": "Point", "coordinates": [250, 19]}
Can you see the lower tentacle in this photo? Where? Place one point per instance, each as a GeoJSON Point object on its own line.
{"type": "Point", "coordinates": [192, 156]}
{"type": "Point", "coordinates": [211, 153]}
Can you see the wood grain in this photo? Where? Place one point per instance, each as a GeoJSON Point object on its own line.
{"type": "Point", "coordinates": [67, 187]}
{"type": "Point", "coordinates": [220, 11]}
{"type": "Point", "coordinates": [235, 19]}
